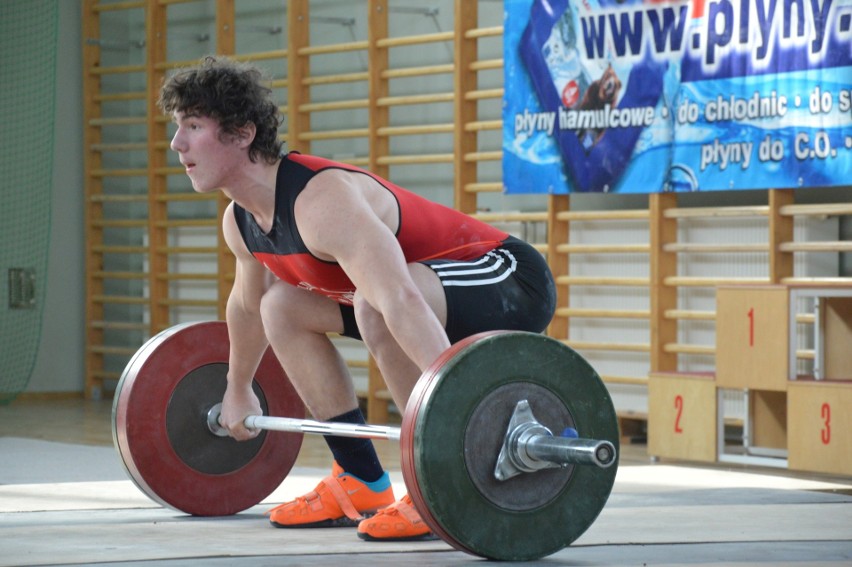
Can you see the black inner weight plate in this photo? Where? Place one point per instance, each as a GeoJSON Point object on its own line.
{"type": "Point", "coordinates": [484, 438]}
{"type": "Point", "coordinates": [186, 423]}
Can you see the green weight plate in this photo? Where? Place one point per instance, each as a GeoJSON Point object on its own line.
{"type": "Point", "coordinates": [453, 428]}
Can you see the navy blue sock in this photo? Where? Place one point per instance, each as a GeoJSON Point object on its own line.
{"type": "Point", "coordinates": [355, 455]}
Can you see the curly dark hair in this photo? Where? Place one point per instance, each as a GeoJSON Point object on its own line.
{"type": "Point", "coordinates": [233, 94]}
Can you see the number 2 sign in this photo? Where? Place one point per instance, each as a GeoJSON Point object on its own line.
{"type": "Point", "coordinates": [678, 403]}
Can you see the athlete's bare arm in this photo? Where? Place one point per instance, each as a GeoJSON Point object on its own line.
{"type": "Point", "coordinates": [245, 332]}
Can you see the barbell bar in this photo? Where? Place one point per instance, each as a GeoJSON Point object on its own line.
{"type": "Point", "coordinates": [528, 445]}
{"type": "Point", "coordinates": [296, 425]}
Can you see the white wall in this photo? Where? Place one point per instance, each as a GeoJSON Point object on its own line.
{"type": "Point", "coordinates": [59, 365]}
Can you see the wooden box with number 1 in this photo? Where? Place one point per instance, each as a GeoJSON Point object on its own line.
{"type": "Point", "coordinates": [752, 337]}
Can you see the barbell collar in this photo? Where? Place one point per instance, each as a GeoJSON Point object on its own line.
{"type": "Point", "coordinates": [529, 446]}
{"type": "Point", "coordinates": [569, 451]}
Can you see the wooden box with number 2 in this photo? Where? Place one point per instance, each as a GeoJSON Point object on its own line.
{"type": "Point", "coordinates": [682, 417]}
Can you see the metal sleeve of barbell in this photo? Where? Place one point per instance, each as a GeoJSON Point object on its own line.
{"type": "Point", "coordinates": [568, 450]}
{"type": "Point", "coordinates": [293, 425]}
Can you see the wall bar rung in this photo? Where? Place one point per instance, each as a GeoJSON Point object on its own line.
{"type": "Point", "coordinates": [620, 347]}
{"type": "Point", "coordinates": [335, 79]}
{"type": "Point", "coordinates": [481, 125]}
{"type": "Point", "coordinates": [415, 39]}
{"type": "Point", "coordinates": [716, 212]}
{"type": "Point", "coordinates": [486, 65]}
{"type": "Point", "coordinates": [831, 246]}
{"type": "Point", "coordinates": [416, 99]}
{"type": "Point", "coordinates": [445, 69]}
{"type": "Point", "coordinates": [696, 281]}
{"type": "Point", "coordinates": [602, 280]}
{"type": "Point", "coordinates": [415, 159]}
{"type": "Point", "coordinates": [476, 33]}
{"type": "Point", "coordinates": [603, 248]}
{"type": "Point", "coordinates": [415, 130]}
{"type": "Point", "coordinates": [336, 105]}
{"type": "Point", "coordinates": [335, 134]}
{"type": "Point", "coordinates": [334, 48]}
{"type": "Point", "coordinates": [120, 275]}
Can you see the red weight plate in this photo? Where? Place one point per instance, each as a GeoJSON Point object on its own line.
{"type": "Point", "coordinates": [419, 396]}
{"type": "Point", "coordinates": [146, 396]}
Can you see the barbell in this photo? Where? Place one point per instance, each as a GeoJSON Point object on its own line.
{"type": "Point", "coordinates": [479, 457]}
{"type": "Point", "coordinates": [527, 447]}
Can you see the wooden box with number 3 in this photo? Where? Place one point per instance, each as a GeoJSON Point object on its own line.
{"type": "Point", "coordinates": [820, 426]}
{"type": "Point", "coordinates": [752, 346]}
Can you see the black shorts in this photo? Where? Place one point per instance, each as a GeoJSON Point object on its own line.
{"type": "Point", "coordinates": [509, 288]}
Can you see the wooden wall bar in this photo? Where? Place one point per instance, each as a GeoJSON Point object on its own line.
{"type": "Point", "coordinates": [93, 207]}
{"type": "Point", "coordinates": [158, 235]}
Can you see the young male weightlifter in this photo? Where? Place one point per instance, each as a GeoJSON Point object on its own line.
{"type": "Point", "coordinates": [322, 247]}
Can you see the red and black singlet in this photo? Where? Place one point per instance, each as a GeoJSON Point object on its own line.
{"type": "Point", "coordinates": [427, 230]}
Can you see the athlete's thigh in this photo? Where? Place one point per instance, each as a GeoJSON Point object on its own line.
{"type": "Point", "coordinates": [297, 308]}
{"type": "Point", "coordinates": [430, 286]}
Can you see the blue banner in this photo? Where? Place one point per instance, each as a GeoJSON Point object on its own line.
{"type": "Point", "coordinates": [634, 96]}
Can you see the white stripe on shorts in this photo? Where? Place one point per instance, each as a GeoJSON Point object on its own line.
{"type": "Point", "coordinates": [453, 274]}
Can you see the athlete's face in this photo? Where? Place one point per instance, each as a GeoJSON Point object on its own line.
{"type": "Point", "coordinates": [207, 156]}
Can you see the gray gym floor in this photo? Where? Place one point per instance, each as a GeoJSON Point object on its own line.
{"type": "Point", "coordinates": [68, 502]}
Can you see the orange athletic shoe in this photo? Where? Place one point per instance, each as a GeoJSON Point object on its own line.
{"type": "Point", "coordinates": [339, 500]}
{"type": "Point", "coordinates": [398, 522]}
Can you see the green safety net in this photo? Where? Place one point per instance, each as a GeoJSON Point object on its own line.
{"type": "Point", "coordinates": [28, 39]}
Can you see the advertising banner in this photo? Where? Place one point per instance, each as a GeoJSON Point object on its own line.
{"type": "Point", "coordinates": [641, 96]}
